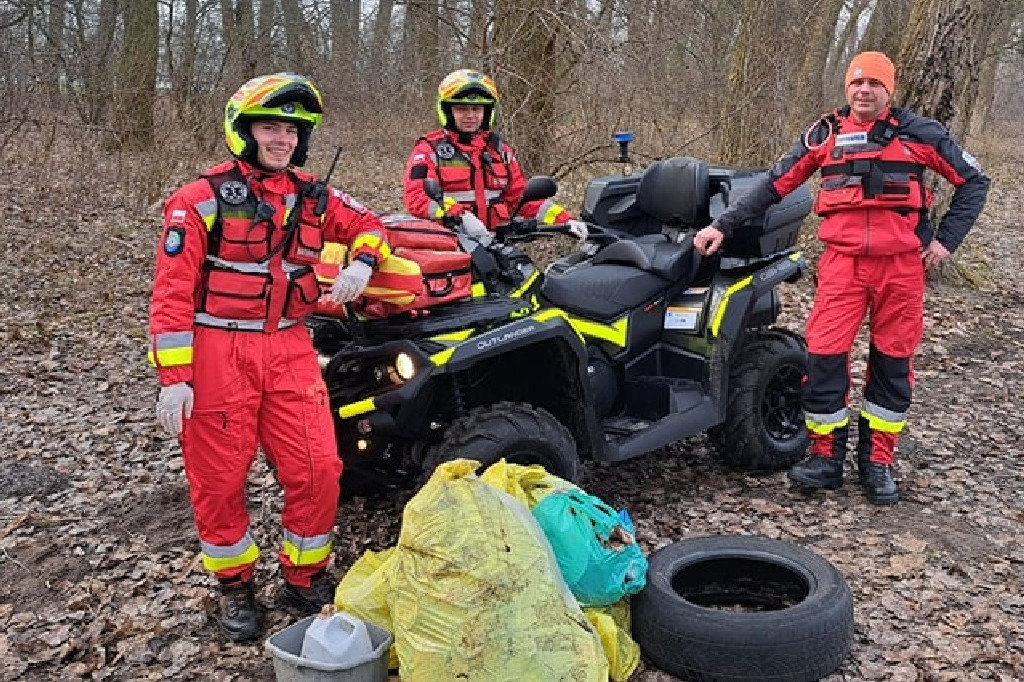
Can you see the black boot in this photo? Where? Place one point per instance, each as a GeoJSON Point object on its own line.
{"type": "Point", "coordinates": [309, 600]}
{"type": "Point", "coordinates": [818, 473]}
{"type": "Point", "coordinates": [878, 484]}
{"type": "Point", "coordinates": [239, 618]}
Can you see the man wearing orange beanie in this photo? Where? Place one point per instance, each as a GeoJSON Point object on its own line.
{"type": "Point", "coordinates": [878, 241]}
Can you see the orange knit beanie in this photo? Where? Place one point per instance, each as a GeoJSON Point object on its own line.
{"type": "Point", "coordinates": [872, 65]}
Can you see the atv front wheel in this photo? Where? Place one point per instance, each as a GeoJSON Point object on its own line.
{"type": "Point", "coordinates": [520, 433]}
{"type": "Point", "coordinates": [764, 427]}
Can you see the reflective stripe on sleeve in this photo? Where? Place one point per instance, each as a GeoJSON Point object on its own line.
{"type": "Point", "coordinates": [171, 349]}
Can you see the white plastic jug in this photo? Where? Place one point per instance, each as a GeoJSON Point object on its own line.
{"type": "Point", "coordinates": [336, 638]}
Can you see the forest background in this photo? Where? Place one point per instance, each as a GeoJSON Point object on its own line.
{"type": "Point", "coordinates": [142, 82]}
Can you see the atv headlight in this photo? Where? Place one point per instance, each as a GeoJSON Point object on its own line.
{"type": "Point", "coordinates": [405, 366]}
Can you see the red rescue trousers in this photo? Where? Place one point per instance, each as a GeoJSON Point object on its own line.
{"type": "Point", "coordinates": [890, 290]}
{"type": "Point", "coordinates": [261, 389]}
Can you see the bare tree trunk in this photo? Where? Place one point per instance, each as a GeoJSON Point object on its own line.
{"type": "Point", "coordinates": [529, 57]}
{"type": "Point", "coordinates": [845, 45]}
{"type": "Point", "coordinates": [748, 137]}
{"type": "Point", "coordinates": [264, 23]}
{"type": "Point", "coordinates": [885, 27]}
{"type": "Point", "coordinates": [136, 75]}
{"type": "Point", "coordinates": [344, 33]}
{"type": "Point", "coordinates": [183, 72]}
{"type": "Point", "coordinates": [297, 36]}
{"type": "Point", "coordinates": [809, 97]}
{"type": "Point", "coordinates": [55, 48]}
{"type": "Point", "coordinates": [96, 77]}
{"type": "Point", "coordinates": [939, 59]}
{"type": "Point", "coordinates": [381, 33]}
{"type": "Point", "coordinates": [239, 32]}
{"type": "Point", "coordinates": [420, 37]}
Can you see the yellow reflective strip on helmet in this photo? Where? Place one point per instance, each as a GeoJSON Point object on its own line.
{"type": "Point", "coordinates": [876, 423]}
{"type": "Point", "coordinates": [249, 556]}
{"type": "Point", "coordinates": [720, 313]}
{"type": "Point", "coordinates": [305, 557]}
{"type": "Point", "coordinates": [171, 357]}
{"type": "Point", "coordinates": [357, 408]}
{"type": "Point", "coordinates": [525, 286]}
{"type": "Point", "coordinates": [825, 429]}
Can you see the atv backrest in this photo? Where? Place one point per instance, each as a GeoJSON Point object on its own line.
{"type": "Point", "coordinates": [676, 192]}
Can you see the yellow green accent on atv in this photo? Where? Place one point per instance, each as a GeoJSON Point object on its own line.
{"type": "Point", "coordinates": [357, 408]}
{"type": "Point", "coordinates": [617, 332]}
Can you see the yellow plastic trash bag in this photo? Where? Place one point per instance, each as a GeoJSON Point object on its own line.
{"type": "Point", "coordinates": [474, 593]}
{"type": "Point", "coordinates": [528, 484]}
{"type": "Point", "coordinates": [613, 626]}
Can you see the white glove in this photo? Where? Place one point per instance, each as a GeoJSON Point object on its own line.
{"type": "Point", "coordinates": [475, 228]}
{"type": "Point", "coordinates": [578, 228]}
{"type": "Point", "coordinates": [350, 282]}
{"type": "Point", "coordinates": [174, 400]}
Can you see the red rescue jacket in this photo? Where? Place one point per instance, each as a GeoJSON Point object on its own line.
{"type": "Point", "coordinates": [237, 253]}
{"type": "Point", "coordinates": [479, 171]}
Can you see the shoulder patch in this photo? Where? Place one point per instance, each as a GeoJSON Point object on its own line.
{"type": "Point", "coordinates": [174, 241]}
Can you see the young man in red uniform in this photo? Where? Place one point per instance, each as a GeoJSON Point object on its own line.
{"type": "Point", "coordinates": [234, 279]}
{"type": "Point", "coordinates": [874, 203]}
{"type": "Point", "coordinates": [478, 171]}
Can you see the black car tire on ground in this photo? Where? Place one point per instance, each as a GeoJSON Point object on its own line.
{"type": "Point", "coordinates": [520, 433]}
{"type": "Point", "coordinates": [764, 427]}
{"type": "Point", "coordinates": [733, 608]}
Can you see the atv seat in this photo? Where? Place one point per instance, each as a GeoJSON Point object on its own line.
{"type": "Point", "coordinates": [673, 262]}
{"type": "Point", "coordinates": [676, 192]}
{"type": "Point", "coordinates": [620, 277]}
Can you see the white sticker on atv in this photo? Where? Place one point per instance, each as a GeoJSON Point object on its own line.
{"type": "Point", "coordinates": [683, 318]}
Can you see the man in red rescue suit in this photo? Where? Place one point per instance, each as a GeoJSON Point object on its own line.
{"type": "Point", "coordinates": [874, 203]}
{"type": "Point", "coordinates": [478, 171]}
{"type": "Point", "coordinates": [233, 281]}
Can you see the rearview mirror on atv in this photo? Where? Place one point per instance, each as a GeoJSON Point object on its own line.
{"type": "Point", "coordinates": [537, 187]}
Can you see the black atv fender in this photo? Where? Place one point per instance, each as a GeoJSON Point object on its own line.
{"type": "Point", "coordinates": [543, 330]}
{"type": "Point", "coordinates": [740, 297]}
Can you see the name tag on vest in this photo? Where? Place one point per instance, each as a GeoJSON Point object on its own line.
{"type": "Point", "coordinates": [850, 139]}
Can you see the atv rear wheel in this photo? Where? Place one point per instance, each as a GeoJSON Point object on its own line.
{"type": "Point", "coordinates": [520, 433]}
{"type": "Point", "coordinates": [764, 427]}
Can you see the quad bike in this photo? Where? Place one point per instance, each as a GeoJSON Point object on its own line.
{"type": "Point", "coordinates": [618, 350]}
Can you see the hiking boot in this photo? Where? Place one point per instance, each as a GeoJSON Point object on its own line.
{"type": "Point", "coordinates": [239, 618]}
{"type": "Point", "coordinates": [309, 600]}
{"type": "Point", "coordinates": [878, 484]}
{"type": "Point", "coordinates": [817, 473]}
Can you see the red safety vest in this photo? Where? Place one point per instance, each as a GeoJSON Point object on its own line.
{"type": "Point", "coordinates": [477, 174]}
{"type": "Point", "coordinates": [870, 170]}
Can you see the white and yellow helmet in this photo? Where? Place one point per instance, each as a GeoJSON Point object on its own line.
{"type": "Point", "coordinates": [280, 97]}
